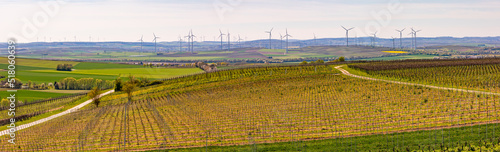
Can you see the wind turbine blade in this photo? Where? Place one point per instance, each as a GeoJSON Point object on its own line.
{"type": "Point", "coordinates": [271, 30]}
{"type": "Point", "coordinates": [350, 28]}
{"type": "Point", "coordinates": [343, 27]}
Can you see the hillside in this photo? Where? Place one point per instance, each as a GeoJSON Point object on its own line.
{"type": "Point", "coordinates": [292, 104]}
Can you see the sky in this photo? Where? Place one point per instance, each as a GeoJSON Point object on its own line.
{"type": "Point", "coordinates": [129, 20]}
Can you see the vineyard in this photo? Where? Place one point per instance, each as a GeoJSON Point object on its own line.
{"type": "Point", "coordinates": [298, 105]}
{"type": "Point", "coordinates": [477, 74]}
{"type": "Point", "coordinates": [26, 111]}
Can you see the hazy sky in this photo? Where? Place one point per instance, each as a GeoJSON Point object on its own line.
{"type": "Point", "coordinates": [127, 20]}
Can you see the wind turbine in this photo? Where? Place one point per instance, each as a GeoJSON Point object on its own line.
{"type": "Point", "coordinates": [315, 39]}
{"type": "Point", "coordinates": [154, 40]}
{"type": "Point", "coordinates": [412, 44]}
{"type": "Point", "coordinates": [180, 43]}
{"type": "Point", "coordinates": [374, 41]}
{"type": "Point", "coordinates": [401, 38]}
{"type": "Point", "coordinates": [347, 34]}
{"type": "Point", "coordinates": [140, 40]}
{"type": "Point", "coordinates": [281, 41]}
{"type": "Point", "coordinates": [239, 40]}
{"type": "Point", "coordinates": [228, 41]}
{"type": "Point", "coordinates": [192, 40]}
{"type": "Point", "coordinates": [270, 37]}
{"type": "Point", "coordinates": [286, 36]}
{"type": "Point", "coordinates": [221, 39]}
{"type": "Point", "coordinates": [415, 36]}
{"type": "Point", "coordinates": [393, 42]}
{"type": "Point", "coordinates": [189, 41]}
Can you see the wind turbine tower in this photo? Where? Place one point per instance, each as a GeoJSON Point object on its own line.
{"type": "Point", "coordinates": [401, 38]}
{"type": "Point", "coordinates": [192, 40]}
{"type": "Point", "coordinates": [281, 41]}
{"type": "Point", "coordinates": [140, 40]}
{"type": "Point", "coordinates": [154, 40]}
{"type": "Point", "coordinates": [189, 41]}
{"type": "Point", "coordinates": [374, 41]}
{"type": "Point", "coordinates": [239, 41]}
{"type": "Point", "coordinates": [286, 36]}
{"type": "Point", "coordinates": [221, 39]}
{"type": "Point", "coordinates": [412, 39]}
{"type": "Point", "coordinates": [315, 39]}
{"type": "Point", "coordinates": [180, 43]}
{"type": "Point", "coordinates": [228, 41]}
{"type": "Point", "coordinates": [270, 37]}
{"type": "Point", "coordinates": [415, 36]}
{"type": "Point", "coordinates": [347, 34]}
{"type": "Point", "coordinates": [393, 42]}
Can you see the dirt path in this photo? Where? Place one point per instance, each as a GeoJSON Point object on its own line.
{"type": "Point", "coordinates": [345, 72]}
{"type": "Point", "coordinates": [5, 132]}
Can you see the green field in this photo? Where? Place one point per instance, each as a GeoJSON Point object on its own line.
{"type": "Point", "coordinates": [44, 71]}
{"type": "Point", "coordinates": [89, 65]}
{"type": "Point", "coordinates": [154, 73]}
{"type": "Point", "coordinates": [31, 95]}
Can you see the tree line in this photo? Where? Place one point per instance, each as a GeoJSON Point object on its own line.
{"type": "Point", "coordinates": [71, 83]}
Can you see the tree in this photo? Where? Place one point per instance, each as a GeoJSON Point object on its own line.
{"type": "Point", "coordinates": [94, 95]}
{"type": "Point", "coordinates": [118, 84]}
{"type": "Point", "coordinates": [64, 67]}
{"type": "Point", "coordinates": [303, 63]}
{"type": "Point", "coordinates": [341, 59]}
{"type": "Point", "coordinates": [30, 84]}
{"type": "Point", "coordinates": [319, 61]}
{"type": "Point", "coordinates": [130, 86]}
{"type": "Point", "coordinates": [56, 85]}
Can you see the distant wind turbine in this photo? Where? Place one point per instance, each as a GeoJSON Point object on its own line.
{"type": "Point", "coordinates": [270, 37]}
{"type": "Point", "coordinates": [412, 44]}
{"type": "Point", "coordinates": [239, 40]}
{"type": "Point", "coordinates": [140, 40]}
{"type": "Point", "coordinates": [347, 34]}
{"type": "Point", "coordinates": [415, 36]}
{"type": "Point", "coordinates": [180, 43]}
{"type": "Point", "coordinates": [221, 39]}
{"type": "Point", "coordinates": [154, 40]}
{"type": "Point", "coordinates": [281, 41]}
{"type": "Point", "coordinates": [401, 38]}
{"type": "Point", "coordinates": [228, 41]}
{"type": "Point", "coordinates": [315, 39]}
{"type": "Point", "coordinates": [374, 41]}
{"type": "Point", "coordinates": [393, 42]}
{"type": "Point", "coordinates": [192, 41]}
{"type": "Point", "coordinates": [286, 36]}
{"type": "Point", "coordinates": [189, 41]}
